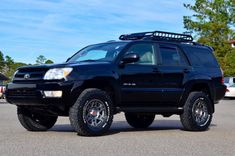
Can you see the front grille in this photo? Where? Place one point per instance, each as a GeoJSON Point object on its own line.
{"type": "Point", "coordinates": [30, 74]}
{"type": "Point", "coordinates": [22, 92]}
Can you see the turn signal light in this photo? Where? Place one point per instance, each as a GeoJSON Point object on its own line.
{"type": "Point", "coordinates": [53, 94]}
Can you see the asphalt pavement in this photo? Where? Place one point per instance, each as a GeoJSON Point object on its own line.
{"type": "Point", "coordinates": [164, 137]}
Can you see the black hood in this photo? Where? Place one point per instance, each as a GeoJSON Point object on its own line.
{"type": "Point", "coordinates": [61, 65]}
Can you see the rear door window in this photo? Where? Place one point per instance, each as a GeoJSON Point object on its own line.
{"type": "Point", "coordinates": [171, 56]}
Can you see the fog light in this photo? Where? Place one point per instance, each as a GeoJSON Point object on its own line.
{"type": "Point", "coordinates": [55, 94]}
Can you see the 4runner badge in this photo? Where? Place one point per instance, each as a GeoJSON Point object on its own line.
{"type": "Point", "coordinates": [129, 84]}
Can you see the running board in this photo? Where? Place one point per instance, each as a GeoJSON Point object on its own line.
{"type": "Point", "coordinates": [157, 110]}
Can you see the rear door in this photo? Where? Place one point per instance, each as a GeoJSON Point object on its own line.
{"type": "Point", "coordinates": [175, 68]}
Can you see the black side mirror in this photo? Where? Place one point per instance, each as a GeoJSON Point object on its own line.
{"type": "Point", "coordinates": [130, 58]}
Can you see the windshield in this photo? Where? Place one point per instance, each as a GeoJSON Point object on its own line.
{"type": "Point", "coordinates": [99, 52]}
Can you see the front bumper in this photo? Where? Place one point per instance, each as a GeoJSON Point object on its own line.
{"type": "Point", "coordinates": [33, 94]}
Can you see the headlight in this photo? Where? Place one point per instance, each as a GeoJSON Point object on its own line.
{"type": "Point", "coordinates": [57, 73]}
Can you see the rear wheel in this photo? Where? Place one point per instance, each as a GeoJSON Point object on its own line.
{"type": "Point", "coordinates": [197, 113]}
{"type": "Point", "coordinates": [138, 120]}
{"type": "Point", "coordinates": [35, 121]}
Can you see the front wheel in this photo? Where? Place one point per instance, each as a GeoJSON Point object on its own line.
{"type": "Point", "coordinates": [138, 120]}
{"type": "Point", "coordinates": [197, 113]}
{"type": "Point", "coordinates": [92, 113]}
{"type": "Point", "coordinates": [35, 121]}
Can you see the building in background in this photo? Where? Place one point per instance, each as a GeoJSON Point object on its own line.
{"type": "Point", "coordinates": [232, 42]}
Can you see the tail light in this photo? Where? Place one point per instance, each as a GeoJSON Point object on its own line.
{"type": "Point", "coordinates": [222, 80]}
{"type": "Point", "coordinates": [1, 89]}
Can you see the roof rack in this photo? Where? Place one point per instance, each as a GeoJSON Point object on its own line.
{"type": "Point", "coordinates": [158, 35]}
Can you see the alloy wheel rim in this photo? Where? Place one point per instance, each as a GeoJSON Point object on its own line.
{"type": "Point", "coordinates": [200, 112]}
{"type": "Point", "coordinates": [95, 114]}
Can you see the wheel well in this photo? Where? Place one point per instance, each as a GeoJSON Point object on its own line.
{"type": "Point", "coordinates": [105, 86]}
{"type": "Point", "coordinates": [204, 88]}
{"type": "Point", "coordinates": [201, 87]}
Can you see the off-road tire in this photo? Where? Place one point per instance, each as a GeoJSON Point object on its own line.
{"type": "Point", "coordinates": [35, 122]}
{"type": "Point", "coordinates": [78, 110]}
{"type": "Point", "coordinates": [187, 117]}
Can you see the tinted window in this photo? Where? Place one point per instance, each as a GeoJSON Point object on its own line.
{"type": "Point", "coordinates": [171, 56]}
{"type": "Point", "coordinates": [145, 52]}
{"type": "Point", "coordinates": [202, 57]}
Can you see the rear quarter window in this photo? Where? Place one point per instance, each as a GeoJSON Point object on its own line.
{"type": "Point", "coordinates": [201, 57]}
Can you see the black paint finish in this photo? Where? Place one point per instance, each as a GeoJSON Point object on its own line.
{"type": "Point", "coordinates": [149, 87]}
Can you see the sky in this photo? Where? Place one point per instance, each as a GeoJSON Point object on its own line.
{"type": "Point", "coordinates": [59, 28]}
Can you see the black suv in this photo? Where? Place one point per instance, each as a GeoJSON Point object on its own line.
{"type": "Point", "coordinates": [142, 75]}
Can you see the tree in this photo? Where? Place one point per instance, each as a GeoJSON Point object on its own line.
{"type": "Point", "coordinates": [212, 23]}
{"type": "Point", "coordinates": [49, 62]}
{"type": "Point", "coordinates": [40, 59]}
{"type": "Point", "coordinates": [10, 70]}
{"type": "Point", "coordinates": [9, 63]}
{"type": "Point", "coordinates": [8, 66]}
{"type": "Point", "coordinates": [2, 62]}
{"type": "Point", "coordinates": [229, 65]}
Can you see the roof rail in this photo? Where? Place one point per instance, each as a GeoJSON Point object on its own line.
{"type": "Point", "coordinates": [158, 35]}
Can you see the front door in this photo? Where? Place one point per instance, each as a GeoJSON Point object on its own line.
{"type": "Point", "coordinates": [140, 81]}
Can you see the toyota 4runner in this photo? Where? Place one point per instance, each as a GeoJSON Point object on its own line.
{"type": "Point", "coordinates": [142, 75]}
